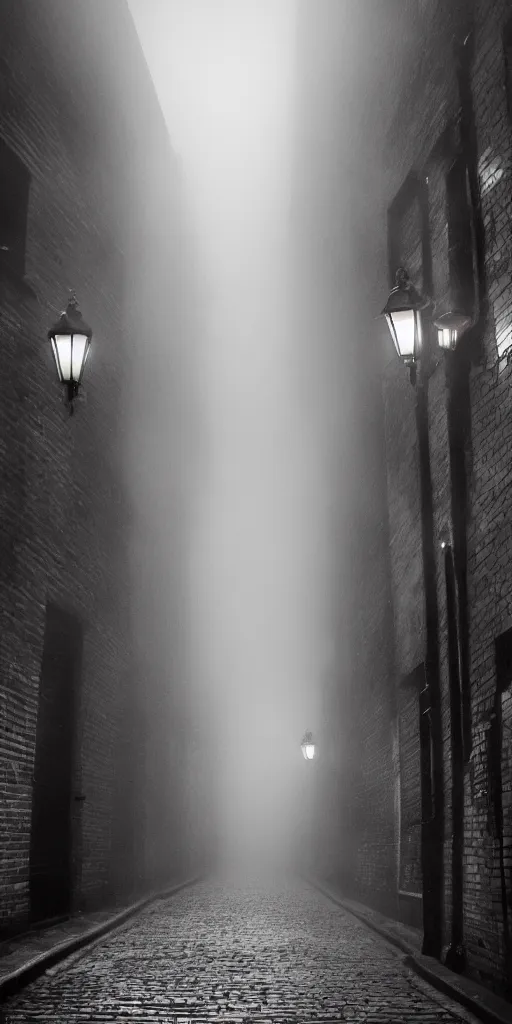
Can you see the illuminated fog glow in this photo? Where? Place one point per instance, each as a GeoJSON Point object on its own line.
{"type": "Point", "coordinates": [223, 72]}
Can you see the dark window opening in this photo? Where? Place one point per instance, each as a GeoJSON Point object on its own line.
{"type": "Point", "coordinates": [52, 851]}
{"type": "Point", "coordinates": [460, 236]}
{"type": "Point", "coordinates": [14, 192]}
{"type": "Point", "coordinates": [507, 46]}
{"type": "Point", "coordinates": [499, 760]}
{"type": "Point", "coordinates": [408, 233]}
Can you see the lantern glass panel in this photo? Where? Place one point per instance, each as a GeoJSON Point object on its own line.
{"type": "Point", "coordinates": [310, 751]}
{"type": "Point", "coordinates": [447, 337]}
{"type": "Point", "coordinates": [56, 357]}
{"type": "Point", "coordinates": [402, 325]}
{"type": "Point", "coordinates": [87, 350]}
{"type": "Point", "coordinates": [62, 353]}
{"type": "Point", "coordinates": [78, 355]}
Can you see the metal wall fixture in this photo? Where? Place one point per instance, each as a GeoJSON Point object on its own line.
{"type": "Point", "coordinates": [403, 314]}
{"type": "Point", "coordinates": [70, 338]}
{"type": "Point", "coordinates": [449, 327]}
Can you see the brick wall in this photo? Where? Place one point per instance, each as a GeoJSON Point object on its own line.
{"type": "Point", "coordinates": [77, 106]}
{"type": "Point", "coordinates": [411, 140]}
{"type": "Point", "coordinates": [400, 127]}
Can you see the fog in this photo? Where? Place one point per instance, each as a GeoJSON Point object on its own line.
{"type": "Point", "coordinates": [259, 619]}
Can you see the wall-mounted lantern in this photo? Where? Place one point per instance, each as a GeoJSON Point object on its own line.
{"type": "Point", "coordinates": [403, 314]}
{"type": "Point", "coordinates": [308, 746]}
{"type": "Point", "coordinates": [70, 339]}
{"type": "Point", "coordinates": [450, 326]}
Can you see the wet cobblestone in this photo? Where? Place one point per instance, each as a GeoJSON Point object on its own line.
{"type": "Point", "coordinates": [220, 953]}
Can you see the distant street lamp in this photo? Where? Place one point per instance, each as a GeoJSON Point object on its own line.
{"type": "Point", "coordinates": [308, 746]}
{"type": "Point", "coordinates": [403, 314]}
{"type": "Point", "coordinates": [70, 339]}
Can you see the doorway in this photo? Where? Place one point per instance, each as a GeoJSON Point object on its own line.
{"type": "Point", "coordinates": [51, 833]}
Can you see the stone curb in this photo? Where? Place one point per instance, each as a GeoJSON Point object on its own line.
{"type": "Point", "coordinates": [29, 971]}
{"type": "Point", "coordinates": [481, 1002]}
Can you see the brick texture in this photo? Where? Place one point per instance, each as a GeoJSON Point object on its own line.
{"type": "Point", "coordinates": [436, 102]}
{"type": "Point", "coordinates": [77, 106]}
{"type": "Point", "coordinates": [397, 130]}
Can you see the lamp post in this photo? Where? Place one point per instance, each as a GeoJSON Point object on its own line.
{"type": "Point", "coordinates": [456, 956]}
{"type": "Point", "coordinates": [403, 312]}
{"type": "Point", "coordinates": [70, 338]}
{"type": "Point", "coordinates": [468, 287]}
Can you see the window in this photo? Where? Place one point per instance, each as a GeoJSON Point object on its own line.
{"type": "Point", "coordinates": [53, 849]}
{"type": "Point", "coordinates": [507, 46]}
{"type": "Point", "coordinates": [14, 190]}
{"type": "Point", "coordinates": [408, 234]}
{"type": "Point", "coordinates": [450, 218]}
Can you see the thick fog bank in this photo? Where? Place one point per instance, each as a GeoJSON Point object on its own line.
{"type": "Point", "coordinates": [266, 597]}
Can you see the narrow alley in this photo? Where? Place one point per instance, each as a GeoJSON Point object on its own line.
{"type": "Point", "coordinates": [221, 952]}
{"type": "Point", "coordinates": [255, 511]}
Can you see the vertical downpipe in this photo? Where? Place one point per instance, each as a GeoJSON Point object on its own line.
{"type": "Point", "coordinates": [432, 827]}
{"type": "Point", "coordinates": [455, 957]}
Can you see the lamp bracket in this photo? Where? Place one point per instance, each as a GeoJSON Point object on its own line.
{"type": "Point", "coordinates": [404, 283]}
{"type": "Point", "coordinates": [72, 392]}
{"type": "Point", "coordinates": [73, 302]}
{"type": "Point", "coordinates": [402, 279]}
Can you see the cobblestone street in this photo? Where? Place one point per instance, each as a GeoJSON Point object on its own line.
{"type": "Point", "coordinates": [218, 952]}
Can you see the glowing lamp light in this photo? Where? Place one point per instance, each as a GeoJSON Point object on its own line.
{"type": "Point", "coordinates": [70, 338]}
{"type": "Point", "coordinates": [445, 539]}
{"type": "Point", "coordinates": [450, 326]}
{"type": "Point", "coordinates": [403, 315]}
{"type": "Point", "coordinates": [308, 746]}
{"type": "Point", "coordinates": [447, 338]}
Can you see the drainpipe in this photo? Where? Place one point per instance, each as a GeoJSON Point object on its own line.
{"type": "Point", "coordinates": [458, 376]}
{"type": "Point", "coordinates": [455, 957]}
{"type": "Point", "coordinates": [430, 721]}
{"type": "Point", "coordinates": [432, 825]}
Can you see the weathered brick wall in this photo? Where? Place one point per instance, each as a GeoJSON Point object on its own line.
{"type": "Point", "coordinates": [372, 707]}
{"type": "Point", "coordinates": [438, 100]}
{"type": "Point", "coordinates": [417, 126]}
{"type": "Point", "coordinates": [409, 802]}
{"type": "Point", "coordinates": [489, 535]}
{"type": "Point", "coordinates": [415, 106]}
{"type": "Point", "coordinates": [405, 524]}
{"type": "Point", "coordinates": [77, 106]}
{"type": "Point", "coordinates": [418, 133]}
